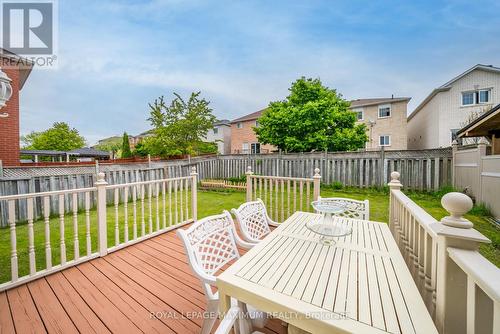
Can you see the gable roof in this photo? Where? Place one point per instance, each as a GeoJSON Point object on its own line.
{"type": "Point", "coordinates": [478, 127]}
{"type": "Point", "coordinates": [447, 85]}
{"type": "Point", "coordinates": [249, 117]}
{"type": "Point", "coordinates": [380, 100]}
{"type": "Point", "coordinates": [25, 65]}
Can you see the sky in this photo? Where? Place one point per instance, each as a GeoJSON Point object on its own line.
{"type": "Point", "coordinates": [115, 56]}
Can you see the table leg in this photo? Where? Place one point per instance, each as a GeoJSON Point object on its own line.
{"type": "Point", "coordinates": [224, 303]}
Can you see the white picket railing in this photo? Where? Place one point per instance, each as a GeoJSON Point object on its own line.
{"type": "Point", "coordinates": [283, 195]}
{"type": "Point", "coordinates": [141, 210]}
{"type": "Point", "coordinates": [459, 286]}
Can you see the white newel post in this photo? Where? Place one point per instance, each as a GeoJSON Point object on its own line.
{"type": "Point", "coordinates": [102, 233]}
{"type": "Point", "coordinates": [395, 184]}
{"type": "Point", "coordinates": [194, 193]}
{"type": "Point", "coordinates": [454, 150]}
{"type": "Point", "coordinates": [249, 174]}
{"type": "Point", "coordinates": [316, 184]}
{"type": "Point", "coordinates": [451, 282]}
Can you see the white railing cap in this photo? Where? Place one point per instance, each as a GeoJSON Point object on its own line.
{"type": "Point", "coordinates": [457, 204]}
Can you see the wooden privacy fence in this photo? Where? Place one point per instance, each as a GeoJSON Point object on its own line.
{"type": "Point", "coordinates": [139, 210]}
{"type": "Point", "coordinates": [459, 286]}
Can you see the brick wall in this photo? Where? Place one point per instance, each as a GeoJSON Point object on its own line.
{"type": "Point", "coordinates": [9, 126]}
{"type": "Point", "coordinates": [246, 135]}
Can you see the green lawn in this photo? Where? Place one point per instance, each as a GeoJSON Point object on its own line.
{"type": "Point", "coordinates": [209, 203]}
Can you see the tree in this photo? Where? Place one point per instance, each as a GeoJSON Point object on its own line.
{"type": "Point", "coordinates": [60, 137]}
{"type": "Point", "coordinates": [126, 152]}
{"type": "Point", "coordinates": [312, 118]}
{"type": "Point", "coordinates": [180, 127]}
{"type": "Point", "coordinates": [111, 144]}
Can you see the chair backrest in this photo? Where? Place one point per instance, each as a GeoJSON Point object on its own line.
{"type": "Point", "coordinates": [210, 244]}
{"type": "Point", "coordinates": [353, 208]}
{"type": "Point", "coordinates": [253, 220]}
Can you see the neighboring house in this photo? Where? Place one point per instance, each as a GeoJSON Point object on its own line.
{"type": "Point", "coordinates": [487, 125]}
{"type": "Point", "coordinates": [17, 69]}
{"type": "Point", "coordinates": [221, 135]}
{"type": "Point", "coordinates": [134, 140]}
{"type": "Point", "coordinates": [436, 121]}
{"type": "Point", "coordinates": [385, 119]}
{"type": "Point", "coordinates": [243, 137]}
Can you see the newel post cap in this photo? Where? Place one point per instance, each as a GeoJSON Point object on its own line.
{"type": "Point", "coordinates": [395, 183]}
{"type": "Point", "coordinates": [193, 171]}
{"type": "Point", "coordinates": [457, 204]}
{"type": "Point", "coordinates": [101, 178]}
{"type": "Point", "coordinates": [316, 173]}
{"type": "Point", "coordinates": [249, 170]}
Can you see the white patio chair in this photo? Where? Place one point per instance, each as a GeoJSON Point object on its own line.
{"type": "Point", "coordinates": [253, 220]}
{"type": "Point", "coordinates": [353, 208]}
{"type": "Point", "coordinates": [210, 244]}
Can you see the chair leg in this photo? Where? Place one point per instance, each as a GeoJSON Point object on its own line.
{"type": "Point", "coordinates": [208, 322]}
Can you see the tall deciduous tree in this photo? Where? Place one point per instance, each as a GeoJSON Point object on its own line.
{"type": "Point", "coordinates": [180, 127]}
{"type": "Point", "coordinates": [126, 152]}
{"type": "Point", "coordinates": [313, 117]}
{"type": "Point", "coordinates": [60, 137]}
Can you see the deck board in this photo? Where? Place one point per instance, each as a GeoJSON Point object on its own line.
{"type": "Point", "coordinates": [114, 294]}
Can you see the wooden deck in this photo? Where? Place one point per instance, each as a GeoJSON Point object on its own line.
{"type": "Point", "coordinates": [117, 293]}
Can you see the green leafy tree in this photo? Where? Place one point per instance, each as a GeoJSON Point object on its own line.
{"type": "Point", "coordinates": [179, 128]}
{"type": "Point", "coordinates": [126, 152]}
{"type": "Point", "coordinates": [112, 145]}
{"type": "Point", "coordinates": [312, 118]}
{"type": "Point", "coordinates": [60, 137]}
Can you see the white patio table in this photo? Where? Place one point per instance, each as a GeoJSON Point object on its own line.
{"type": "Point", "coordinates": [359, 285]}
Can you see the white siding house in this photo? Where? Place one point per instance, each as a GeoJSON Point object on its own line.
{"type": "Point", "coordinates": [221, 134]}
{"type": "Point", "coordinates": [446, 110]}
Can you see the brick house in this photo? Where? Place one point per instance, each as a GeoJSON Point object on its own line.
{"type": "Point", "coordinates": [243, 137]}
{"type": "Point", "coordinates": [18, 70]}
{"type": "Point", "coordinates": [385, 119]}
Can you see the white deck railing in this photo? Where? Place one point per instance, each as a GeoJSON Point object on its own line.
{"type": "Point", "coordinates": [140, 210]}
{"type": "Point", "coordinates": [283, 195]}
{"type": "Point", "coordinates": [459, 286]}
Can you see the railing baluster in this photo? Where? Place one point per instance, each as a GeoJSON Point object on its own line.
{"type": "Point", "coordinates": [31, 237]}
{"type": "Point", "coordinates": [13, 241]}
{"type": "Point", "coordinates": [150, 208]}
{"type": "Point", "coordinates": [62, 240]}
{"type": "Point", "coordinates": [143, 222]}
{"type": "Point", "coordinates": [117, 230]}
{"type": "Point", "coordinates": [294, 195]}
{"type": "Point", "coordinates": [308, 196]}
{"type": "Point", "coordinates": [260, 188]}
{"type": "Point", "coordinates": [125, 214]}
{"type": "Point", "coordinates": [164, 200]}
{"type": "Point", "coordinates": [265, 192]}
{"type": "Point", "coordinates": [175, 203]}
{"type": "Point", "coordinates": [134, 212]}
{"type": "Point", "coordinates": [282, 200]}
{"type": "Point", "coordinates": [276, 206]}
{"type": "Point", "coordinates": [157, 192]}
{"type": "Point", "coordinates": [181, 195]}
{"type": "Point", "coordinates": [87, 223]}
{"type": "Point", "coordinates": [271, 212]}
{"type": "Point", "coordinates": [170, 202]}
{"type": "Point", "coordinates": [301, 190]}
{"type": "Point", "coordinates": [76, 243]}
{"type": "Point", "coordinates": [186, 202]}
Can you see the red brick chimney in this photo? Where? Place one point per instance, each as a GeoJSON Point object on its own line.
{"type": "Point", "coordinates": [9, 114]}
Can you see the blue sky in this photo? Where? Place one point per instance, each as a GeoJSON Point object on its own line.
{"type": "Point", "coordinates": [116, 56]}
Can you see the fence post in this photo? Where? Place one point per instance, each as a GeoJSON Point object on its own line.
{"type": "Point", "coordinates": [102, 231]}
{"type": "Point", "coordinates": [395, 184]}
{"type": "Point", "coordinates": [481, 152]}
{"type": "Point", "coordinates": [316, 184]}
{"type": "Point", "coordinates": [451, 282]}
{"type": "Point", "coordinates": [249, 174]}
{"type": "Point", "coordinates": [194, 193]}
{"type": "Point", "coordinates": [454, 149]}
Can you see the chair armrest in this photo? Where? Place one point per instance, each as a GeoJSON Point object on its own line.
{"type": "Point", "coordinates": [271, 222]}
{"type": "Point", "coordinates": [242, 243]}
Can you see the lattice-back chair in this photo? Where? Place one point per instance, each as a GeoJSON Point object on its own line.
{"type": "Point", "coordinates": [353, 208]}
{"type": "Point", "coordinates": [210, 244]}
{"type": "Point", "coordinates": [253, 220]}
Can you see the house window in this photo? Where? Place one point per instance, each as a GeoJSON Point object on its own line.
{"type": "Point", "coordinates": [384, 140]}
{"type": "Point", "coordinates": [239, 125]}
{"type": "Point", "coordinates": [484, 96]}
{"type": "Point", "coordinates": [255, 148]}
{"type": "Point", "coordinates": [216, 131]}
{"type": "Point", "coordinates": [476, 97]}
{"type": "Point", "coordinates": [384, 111]}
{"type": "Point", "coordinates": [244, 148]}
{"type": "Point", "coordinates": [257, 123]}
{"type": "Point", "coordinates": [359, 114]}
{"type": "Point", "coordinates": [467, 98]}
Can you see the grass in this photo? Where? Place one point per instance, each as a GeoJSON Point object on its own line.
{"type": "Point", "coordinates": [209, 203]}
